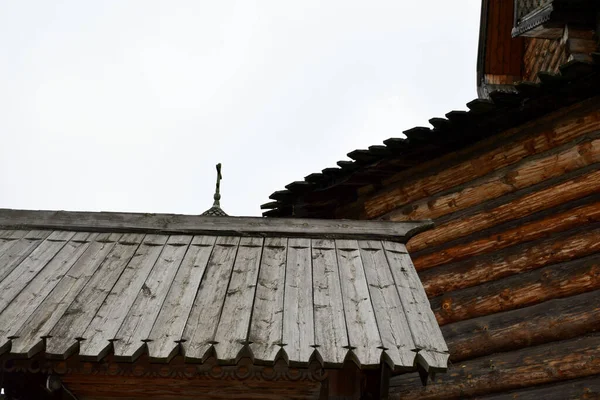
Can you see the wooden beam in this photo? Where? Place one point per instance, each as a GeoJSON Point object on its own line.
{"type": "Point", "coordinates": [556, 281]}
{"type": "Point", "coordinates": [552, 196]}
{"type": "Point", "coordinates": [548, 363]}
{"type": "Point", "coordinates": [553, 320]}
{"type": "Point", "coordinates": [439, 175]}
{"type": "Point", "coordinates": [532, 170]}
{"type": "Point", "coordinates": [194, 224]}
{"type": "Point", "coordinates": [586, 388]}
{"type": "Point", "coordinates": [526, 256]}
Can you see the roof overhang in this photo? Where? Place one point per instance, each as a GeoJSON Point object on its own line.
{"type": "Point", "coordinates": [161, 286]}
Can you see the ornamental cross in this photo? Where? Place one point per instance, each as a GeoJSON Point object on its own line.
{"type": "Point", "coordinates": [217, 196]}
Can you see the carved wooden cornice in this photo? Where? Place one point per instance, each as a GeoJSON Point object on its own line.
{"type": "Point", "coordinates": [177, 368]}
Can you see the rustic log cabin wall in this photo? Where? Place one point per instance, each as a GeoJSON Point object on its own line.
{"type": "Point", "coordinates": [512, 268]}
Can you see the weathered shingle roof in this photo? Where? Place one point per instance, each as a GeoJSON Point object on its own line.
{"type": "Point", "coordinates": [96, 283]}
{"type": "Point", "coordinates": [321, 193]}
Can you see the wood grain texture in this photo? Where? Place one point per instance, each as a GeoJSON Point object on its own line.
{"type": "Point", "coordinates": [426, 334]}
{"type": "Point", "coordinates": [232, 331]}
{"type": "Point", "coordinates": [28, 339]}
{"type": "Point", "coordinates": [135, 329]}
{"type": "Point", "coordinates": [194, 224]}
{"type": "Point", "coordinates": [8, 238]}
{"type": "Point", "coordinates": [573, 389]}
{"type": "Point", "coordinates": [555, 56]}
{"type": "Point", "coordinates": [14, 282]}
{"type": "Point", "coordinates": [391, 317]}
{"type": "Point", "coordinates": [24, 304]}
{"type": "Point", "coordinates": [526, 256]}
{"type": "Point", "coordinates": [298, 318]}
{"type": "Point", "coordinates": [16, 252]}
{"type": "Point", "coordinates": [553, 362]}
{"type": "Point", "coordinates": [363, 333]}
{"type": "Point", "coordinates": [69, 329]}
{"type": "Point", "coordinates": [331, 335]}
{"type": "Point", "coordinates": [466, 166]}
{"type": "Point", "coordinates": [553, 320]}
{"type": "Point", "coordinates": [199, 333]}
{"type": "Point", "coordinates": [556, 281]}
{"type": "Point", "coordinates": [167, 331]}
{"type": "Point", "coordinates": [529, 171]}
{"type": "Point", "coordinates": [576, 188]}
{"type": "Point", "coordinates": [487, 242]}
{"type": "Point", "coordinates": [112, 296]}
{"type": "Point", "coordinates": [109, 317]}
{"type": "Point", "coordinates": [266, 326]}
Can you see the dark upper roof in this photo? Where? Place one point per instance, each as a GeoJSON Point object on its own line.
{"type": "Point", "coordinates": [322, 192]}
{"type": "Point", "coordinates": [94, 283]}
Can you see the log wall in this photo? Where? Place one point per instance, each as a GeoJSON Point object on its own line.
{"type": "Point", "coordinates": [512, 268]}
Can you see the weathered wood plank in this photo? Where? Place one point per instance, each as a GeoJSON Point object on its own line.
{"type": "Point", "coordinates": [266, 327]}
{"type": "Point", "coordinates": [71, 326]}
{"type": "Point", "coordinates": [553, 320]}
{"type": "Point", "coordinates": [548, 363]}
{"type": "Point", "coordinates": [363, 333]}
{"type": "Point", "coordinates": [28, 339]}
{"type": "Point", "coordinates": [552, 131]}
{"type": "Point", "coordinates": [194, 224]}
{"type": "Point", "coordinates": [556, 281]}
{"type": "Point", "coordinates": [395, 333]}
{"type": "Point", "coordinates": [24, 272]}
{"type": "Point", "coordinates": [138, 323]}
{"type": "Point", "coordinates": [24, 304]}
{"type": "Point", "coordinates": [524, 257]}
{"type": "Point", "coordinates": [15, 253]}
{"type": "Point", "coordinates": [199, 333]}
{"type": "Point", "coordinates": [529, 171]}
{"type": "Point", "coordinates": [569, 190]}
{"type": "Point", "coordinates": [163, 340]}
{"type": "Point", "coordinates": [9, 238]}
{"type": "Point", "coordinates": [575, 389]}
{"type": "Point", "coordinates": [232, 332]}
{"type": "Point", "coordinates": [422, 322]}
{"type": "Point", "coordinates": [107, 321]}
{"type": "Point", "coordinates": [331, 335]}
{"type": "Point", "coordinates": [298, 319]}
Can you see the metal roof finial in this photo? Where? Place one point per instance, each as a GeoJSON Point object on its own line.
{"type": "Point", "coordinates": [216, 210]}
{"type": "Point", "coordinates": [217, 195]}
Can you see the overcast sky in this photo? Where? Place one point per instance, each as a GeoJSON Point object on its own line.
{"type": "Point", "coordinates": [128, 105]}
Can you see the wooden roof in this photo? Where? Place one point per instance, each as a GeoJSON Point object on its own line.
{"type": "Point", "coordinates": [98, 283]}
{"type": "Point", "coordinates": [321, 193]}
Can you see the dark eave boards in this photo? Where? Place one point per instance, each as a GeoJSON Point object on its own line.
{"type": "Point", "coordinates": [320, 193]}
{"type": "Point", "coordinates": [92, 284]}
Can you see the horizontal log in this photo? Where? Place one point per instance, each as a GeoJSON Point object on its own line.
{"type": "Point", "coordinates": [528, 172]}
{"type": "Point", "coordinates": [477, 270]}
{"type": "Point", "coordinates": [401, 190]}
{"type": "Point", "coordinates": [545, 364]}
{"type": "Point", "coordinates": [556, 281]}
{"type": "Point", "coordinates": [586, 388]}
{"type": "Point", "coordinates": [553, 320]}
{"type": "Point", "coordinates": [581, 186]}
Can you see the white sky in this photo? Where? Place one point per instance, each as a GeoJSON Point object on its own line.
{"type": "Point", "coordinates": [128, 105]}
